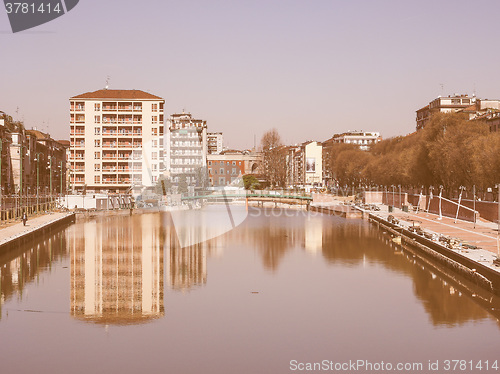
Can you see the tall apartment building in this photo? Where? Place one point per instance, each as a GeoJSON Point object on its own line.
{"type": "Point", "coordinates": [186, 147]}
{"type": "Point", "coordinates": [116, 139]}
{"type": "Point", "coordinates": [215, 143]}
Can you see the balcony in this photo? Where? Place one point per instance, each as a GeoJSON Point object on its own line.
{"type": "Point", "coordinates": [124, 145]}
{"type": "Point", "coordinates": [109, 145]}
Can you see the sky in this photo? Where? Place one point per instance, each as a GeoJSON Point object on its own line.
{"type": "Point", "coordinates": [310, 69]}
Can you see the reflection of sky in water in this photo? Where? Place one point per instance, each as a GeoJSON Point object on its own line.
{"type": "Point", "coordinates": [326, 288]}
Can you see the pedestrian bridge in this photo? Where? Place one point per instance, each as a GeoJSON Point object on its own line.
{"type": "Point", "coordinates": [260, 196]}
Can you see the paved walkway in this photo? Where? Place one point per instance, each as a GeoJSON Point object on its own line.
{"type": "Point", "coordinates": [17, 230]}
{"type": "Point", "coordinates": [483, 235]}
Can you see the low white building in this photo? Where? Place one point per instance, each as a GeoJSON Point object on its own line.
{"type": "Point", "coordinates": [361, 138]}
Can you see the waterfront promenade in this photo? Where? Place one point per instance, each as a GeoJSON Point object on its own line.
{"type": "Point", "coordinates": [12, 233]}
{"type": "Point", "coordinates": [483, 235]}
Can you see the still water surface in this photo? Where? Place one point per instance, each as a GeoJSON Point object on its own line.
{"type": "Point", "coordinates": [118, 294]}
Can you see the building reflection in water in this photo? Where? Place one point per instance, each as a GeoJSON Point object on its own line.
{"type": "Point", "coordinates": [117, 269]}
{"type": "Point", "coordinates": [313, 235]}
{"type": "Point", "coordinates": [23, 265]}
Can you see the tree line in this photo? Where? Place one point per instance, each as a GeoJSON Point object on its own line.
{"type": "Point", "coordinates": [450, 151]}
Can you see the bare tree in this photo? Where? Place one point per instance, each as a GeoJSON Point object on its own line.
{"type": "Point", "coordinates": [274, 158]}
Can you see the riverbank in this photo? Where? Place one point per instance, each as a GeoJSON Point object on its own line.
{"type": "Point", "coordinates": [18, 233]}
{"type": "Point", "coordinates": [467, 250]}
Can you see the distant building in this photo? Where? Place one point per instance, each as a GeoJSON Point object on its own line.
{"type": "Point", "coordinates": [361, 138]}
{"type": "Point", "coordinates": [448, 104]}
{"type": "Point", "coordinates": [305, 164]}
{"type": "Point", "coordinates": [225, 167]}
{"type": "Point", "coordinates": [494, 122]}
{"type": "Point", "coordinates": [116, 140]}
{"type": "Point", "coordinates": [485, 110]}
{"type": "Point", "coordinates": [215, 143]}
{"type": "Point", "coordinates": [186, 148]}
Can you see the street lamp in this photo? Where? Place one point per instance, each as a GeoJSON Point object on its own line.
{"type": "Point", "coordinates": [21, 156]}
{"type": "Point", "coordinates": [400, 204]}
{"type": "Point", "coordinates": [393, 194]}
{"type": "Point", "coordinates": [1, 186]}
{"type": "Point", "coordinates": [50, 177]}
{"type": "Point", "coordinates": [61, 172]}
{"type": "Point", "coordinates": [37, 159]}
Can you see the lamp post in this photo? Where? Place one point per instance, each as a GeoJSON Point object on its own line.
{"type": "Point", "coordinates": [400, 204]}
{"type": "Point", "coordinates": [1, 185]}
{"type": "Point", "coordinates": [50, 179]}
{"type": "Point", "coordinates": [21, 156]}
{"type": "Point", "coordinates": [37, 159]}
{"type": "Point", "coordinates": [61, 172]}
{"type": "Point", "coordinates": [393, 196]}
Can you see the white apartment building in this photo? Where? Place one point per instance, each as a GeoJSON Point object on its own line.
{"type": "Point", "coordinates": [440, 104]}
{"type": "Point", "coordinates": [215, 143]}
{"type": "Point", "coordinates": [305, 164]}
{"type": "Point", "coordinates": [186, 147]}
{"type": "Point", "coordinates": [361, 138]}
{"type": "Point", "coordinates": [116, 140]}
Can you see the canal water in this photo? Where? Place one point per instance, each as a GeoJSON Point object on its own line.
{"type": "Point", "coordinates": [283, 290]}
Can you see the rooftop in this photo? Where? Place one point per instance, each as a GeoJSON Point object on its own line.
{"type": "Point", "coordinates": [118, 95]}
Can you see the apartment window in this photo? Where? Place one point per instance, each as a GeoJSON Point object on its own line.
{"type": "Point", "coordinates": [97, 167]}
{"type": "Point", "coordinates": [234, 170]}
{"type": "Point", "coordinates": [154, 107]}
{"type": "Point", "coordinates": [97, 130]}
{"type": "Point", "coordinates": [155, 143]}
{"type": "Point", "coordinates": [97, 179]}
{"type": "Point", "coordinates": [234, 163]}
{"type": "Point", "coordinates": [155, 167]}
{"type": "Point", "coordinates": [97, 119]}
{"type": "Point", "coordinates": [154, 131]}
{"type": "Point", "coordinates": [97, 155]}
{"type": "Point", "coordinates": [222, 180]}
{"type": "Point", "coordinates": [210, 162]}
{"type": "Point", "coordinates": [97, 143]}
{"type": "Point", "coordinates": [154, 119]}
{"type": "Point", "coordinates": [154, 156]}
{"type": "Point", "coordinates": [97, 107]}
{"type": "Point", "coordinates": [222, 170]}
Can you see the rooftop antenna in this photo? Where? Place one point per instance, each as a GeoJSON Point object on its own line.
{"type": "Point", "coordinates": [442, 89]}
{"type": "Point", "coordinates": [474, 92]}
{"type": "Point", "coordinates": [108, 78]}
